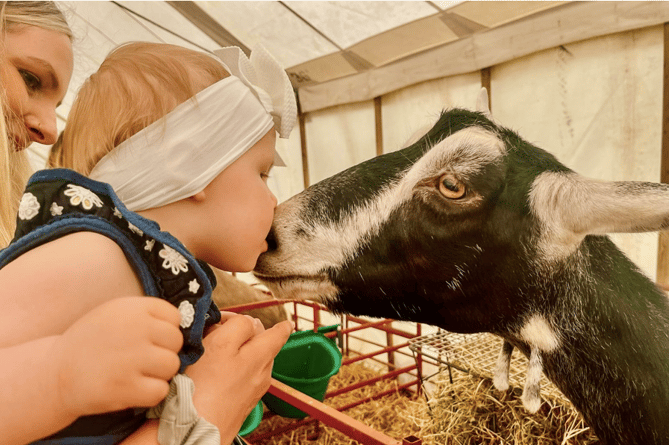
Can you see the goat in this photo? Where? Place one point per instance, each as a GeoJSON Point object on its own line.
{"type": "Point", "coordinates": [473, 229]}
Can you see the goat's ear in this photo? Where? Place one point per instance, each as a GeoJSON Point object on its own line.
{"type": "Point", "coordinates": [482, 103]}
{"type": "Point", "coordinates": [574, 206]}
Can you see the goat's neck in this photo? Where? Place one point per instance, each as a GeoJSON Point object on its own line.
{"type": "Point", "coordinates": [612, 357]}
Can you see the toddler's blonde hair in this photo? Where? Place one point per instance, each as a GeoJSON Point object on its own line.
{"type": "Point", "coordinates": [137, 84]}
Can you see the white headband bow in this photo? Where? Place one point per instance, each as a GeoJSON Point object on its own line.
{"type": "Point", "coordinates": [181, 153]}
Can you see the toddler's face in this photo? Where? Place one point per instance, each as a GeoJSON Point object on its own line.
{"type": "Point", "coordinates": [35, 70]}
{"type": "Point", "coordinates": [241, 208]}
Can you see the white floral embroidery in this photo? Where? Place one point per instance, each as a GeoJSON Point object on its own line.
{"type": "Point", "coordinates": [193, 286]}
{"type": "Point", "coordinates": [82, 196]}
{"type": "Point", "coordinates": [135, 229]}
{"type": "Point", "coordinates": [173, 260]}
{"type": "Point", "coordinates": [149, 245]}
{"type": "Point", "coordinates": [187, 312]}
{"type": "Point", "coordinates": [29, 206]}
{"type": "Point", "coordinates": [117, 213]}
{"type": "Point", "coordinates": [56, 210]}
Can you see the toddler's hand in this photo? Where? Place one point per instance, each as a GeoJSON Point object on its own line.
{"type": "Point", "coordinates": [120, 355]}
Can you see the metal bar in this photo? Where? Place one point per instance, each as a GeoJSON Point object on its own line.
{"type": "Point", "coordinates": [379, 395]}
{"type": "Point", "coordinates": [380, 325]}
{"type": "Point", "coordinates": [330, 416]}
{"type": "Point", "coordinates": [373, 354]}
{"type": "Point", "coordinates": [355, 386]}
{"type": "Point", "coordinates": [663, 242]}
{"type": "Point", "coordinates": [207, 24]}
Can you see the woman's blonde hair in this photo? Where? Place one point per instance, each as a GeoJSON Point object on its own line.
{"type": "Point", "coordinates": [137, 84]}
{"type": "Point", "coordinates": [44, 15]}
{"type": "Point", "coordinates": [14, 165]}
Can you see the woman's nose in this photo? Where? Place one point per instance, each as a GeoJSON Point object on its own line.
{"type": "Point", "coordinates": [42, 127]}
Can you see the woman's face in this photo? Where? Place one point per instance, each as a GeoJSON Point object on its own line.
{"type": "Point", "coordinates": [35, 71]}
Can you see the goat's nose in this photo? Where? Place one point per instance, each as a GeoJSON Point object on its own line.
{"type": "Point", "coordinates": [271, 240]}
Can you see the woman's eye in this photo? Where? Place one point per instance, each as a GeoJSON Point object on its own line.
{"type": "Point", "coordinates": [32, 82]}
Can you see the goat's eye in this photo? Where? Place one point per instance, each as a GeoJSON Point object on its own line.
{"type": "Point", "coordinates": [450, 187]}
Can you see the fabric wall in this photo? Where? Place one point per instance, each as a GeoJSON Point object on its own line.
{"type": "Point", "coordinates": [338, 138]}
{"type": "Point", "coordinates": [409, 110]}
{"type": "Point", "coordinates": [289, 180]}
{"type": "Point", "coordinates": [597, 106]}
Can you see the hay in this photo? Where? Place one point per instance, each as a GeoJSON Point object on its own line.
{"type": "Point", "coordinates": [471, 411]}
{"type": "Point", "coordinates": [387, 414]}
{"type": "Point", "coordinates": [468, 411]}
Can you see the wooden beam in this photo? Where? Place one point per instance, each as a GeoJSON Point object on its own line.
{"type": "Point", "coordinates": [198, 17]}
{"type": "Point", "coordinates": [486, 83]}
{"type": "Point", "coordinates": [663, 244]}
{"type": "Point", "coordinates": [330, 416]}
{"type": "Point", "coordinates": [379, 125]}
{"type": "Point", "coordinates": [303, 143]}
{"type": "Point", "coordinates": [572, 22]}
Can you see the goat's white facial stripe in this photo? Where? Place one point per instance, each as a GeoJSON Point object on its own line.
{"type": "Point", "coordinates": [538, 333]}
{"type": "Point", "coordinates": [464, 152]}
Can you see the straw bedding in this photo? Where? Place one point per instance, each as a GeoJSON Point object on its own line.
{"type": "Point", "coordinates": [466, 411]}
{"type": "Point", "coordinates": [387, 414]}
{"type": "Point", "coordinates": [471, 411]}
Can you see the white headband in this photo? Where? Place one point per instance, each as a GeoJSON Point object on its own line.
{"type": "Point", "coordinates": [180, 154]}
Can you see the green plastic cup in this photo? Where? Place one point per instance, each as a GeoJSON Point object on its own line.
{"type": "Point", "coordinates": [306, 363]}
{"type": "Point", "coordinates": [252, 420]}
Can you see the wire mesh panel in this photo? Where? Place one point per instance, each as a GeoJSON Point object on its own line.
{"type": "Point", "coordinates": [476, 354]}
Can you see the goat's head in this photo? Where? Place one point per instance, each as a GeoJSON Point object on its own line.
{"type": "Point", "coordinates": [447, 230]}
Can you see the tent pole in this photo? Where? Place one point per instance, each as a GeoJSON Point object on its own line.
{"type": "Point", "coordinates": [379, 125]}
{"type": "Point", "coordinates": [485, 83]}
{"type": "Point", "coordinates": [303, 141]}
{"type": "Point", "coordinates": [663, 242]}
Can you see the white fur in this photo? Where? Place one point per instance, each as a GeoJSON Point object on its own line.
{"type": "Point", "coordinates": [531, 392]}
{"type": "Point", "coordinates": [501, 376]}
{"type": "Point", "coordinates": [570, 206]}
{"type": "Point", "coordinates": [538, 333]}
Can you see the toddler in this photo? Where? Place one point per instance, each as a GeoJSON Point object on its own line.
{"type": "Point", "coordinates": [177, 146]}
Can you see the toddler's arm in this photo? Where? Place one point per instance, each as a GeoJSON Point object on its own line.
{"type": "Point", "coordinates": [232, 375]}
{"type": "Point", "coordinates": [47, 289]}
{"type": "Point", "coordinates": [120, 355]}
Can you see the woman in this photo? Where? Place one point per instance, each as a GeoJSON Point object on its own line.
{"type": "Point", "coordinates": [51, 381]}
{"type": "Point", "coordinates": [38, 51]}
